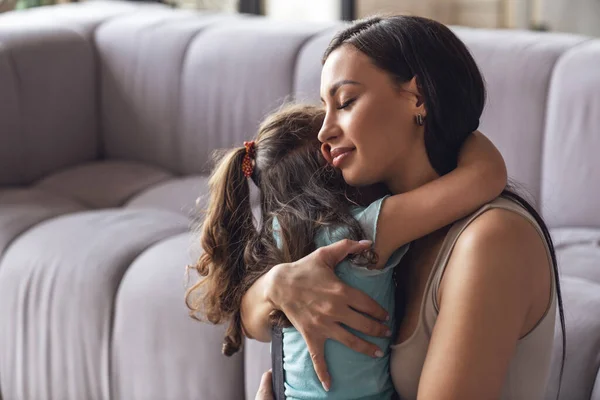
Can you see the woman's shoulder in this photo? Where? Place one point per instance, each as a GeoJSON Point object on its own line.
{"type": "Point", "coordinates": [501, 246]}
{"type": "Point", "coordinates": [497, 227]}
{"type": "Point", "coordinates": [501, 224]}
{"type": "Point", "coordinates": [493, 291]}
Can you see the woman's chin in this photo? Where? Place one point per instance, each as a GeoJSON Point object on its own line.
{"type": "Point", "coordinates": [355, 180]}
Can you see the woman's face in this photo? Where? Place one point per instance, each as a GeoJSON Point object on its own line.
{"type": "Point", "coordinates": [369, 131]}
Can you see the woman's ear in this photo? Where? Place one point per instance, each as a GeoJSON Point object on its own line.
{"type": "Point", "coordinates": [412, 87]}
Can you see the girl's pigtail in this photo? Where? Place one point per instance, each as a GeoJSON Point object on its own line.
{"type": "Point", "coordinates": [233, 335]}
{"type": "Point", "coordinates": [227, 230]}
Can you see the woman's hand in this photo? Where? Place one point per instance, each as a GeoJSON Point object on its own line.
{"type": "Point", "coordinates": [316, 302]}
{"type": "Point", "coordinates": [265, 390]}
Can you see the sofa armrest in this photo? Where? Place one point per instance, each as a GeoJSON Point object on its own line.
{"type": "Point", "coordinates": [48, 100]}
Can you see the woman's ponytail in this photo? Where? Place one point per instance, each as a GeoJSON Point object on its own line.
{"type": "Point", "coordinates": [227, 229]}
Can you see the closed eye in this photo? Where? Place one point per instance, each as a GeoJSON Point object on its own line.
{"type": "Point", "coordinates": [346, 104]}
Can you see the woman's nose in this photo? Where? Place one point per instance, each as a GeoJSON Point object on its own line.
{"type": "Point", "coordinates": [327, 132]}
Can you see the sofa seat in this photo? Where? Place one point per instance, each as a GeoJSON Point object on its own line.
{"type": "Point", "coordinates": [578, 252]}
{"type": "Point", "coordinates": [578, 256]}
{"type": "Point", "coordinates": [85, 255]}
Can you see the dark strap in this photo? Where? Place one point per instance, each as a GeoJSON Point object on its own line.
{"type": "Point", "coordinates": [277, 363]}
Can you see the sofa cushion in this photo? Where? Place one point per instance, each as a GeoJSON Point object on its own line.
{"type": "Point", "coordinates": [186, 195]}
{"type": "Point", "coordinates": [578, 256]}
{"type": "Point", "coordinates": [224, 101]}
{"type": "Point", "coordinates": [21, 209]}
{"type": "Point", "coordinates": [159, 352]}
{"type": "Point", "coordinates": [12, 170]}
{"type": "Point", "coordinates": [48, 114]}
{"type": "Point", "coordinates": [581, 299]}
{"type": "Point", "coordinates": [571, 178]}
{"type": "Point", "coordinates": [141, 99]}
{"type": "Point", "coordinates": [578, 252]}
{"type": "Point", "coordinates": [58, 282]}
{"type": "Point", "coordinates": [103, 184]}
{"type": "Point", "coordinates": [83, 17]}
{"type": "Point", "coordinates": [517, 67]}
{"type": "Point", "coordinates": [596, 390]}
{"type": "Point", "coordinates": [307, 74]}
{"type": "Point", "coordinates": [192, 95]}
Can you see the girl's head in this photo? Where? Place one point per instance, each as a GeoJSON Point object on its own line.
{"type": "Point", "coordinates": [297, 187]}
{"type": "Point", "coordinates": [289, 168]}
{"type": "Point", "coordinates": [378, 76]}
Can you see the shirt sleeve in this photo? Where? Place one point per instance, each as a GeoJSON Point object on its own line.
{"type": "Point", "coordinates": [369, 218]}
{"type": "Point", "coordinates": [277, 232]}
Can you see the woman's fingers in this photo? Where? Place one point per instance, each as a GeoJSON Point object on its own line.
{"type": "Point", "coordinates": [336, 252]}
{"type": "Point", "coordinates": [354, 342]}
{"type": "Point", "coordinates": [316, 302]}
{"type": "Point", "coordinates": [364, 324]}
{"type": "Point", "coordinates": [265, 390]}
{"type": "Point", "coordinates": [316, 348]}
{"type": "Point", "coordinates": [360, 301]}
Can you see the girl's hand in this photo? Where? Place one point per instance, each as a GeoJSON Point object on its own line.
{"type": "Point", "coordinates": [316, 302]}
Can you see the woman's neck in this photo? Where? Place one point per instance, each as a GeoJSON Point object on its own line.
{"type": "Point", "coordinates": [411, 173]}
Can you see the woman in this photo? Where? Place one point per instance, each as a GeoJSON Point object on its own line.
{"type": "Point", "coordinates": [479, 297]}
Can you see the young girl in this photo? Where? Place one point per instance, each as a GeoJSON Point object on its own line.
{"type": "Point", "coordinates": [306, 204]}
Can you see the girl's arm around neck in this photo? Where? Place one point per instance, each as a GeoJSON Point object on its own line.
{"type": "Point", "coordinates": [479, 178]}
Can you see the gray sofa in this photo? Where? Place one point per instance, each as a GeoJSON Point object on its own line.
{"type": "Point", "coordinates": [109, 114]}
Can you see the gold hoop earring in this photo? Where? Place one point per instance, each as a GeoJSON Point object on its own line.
{"type": "Point", "coordinates": [420, 120]}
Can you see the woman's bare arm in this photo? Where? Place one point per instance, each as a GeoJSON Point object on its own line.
{"type": "Point", "coordinates": [497, 271]}
{"type": "Point", "coordinates": [256, 307]}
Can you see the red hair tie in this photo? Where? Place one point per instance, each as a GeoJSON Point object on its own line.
{"type": "Point", "coordinates": [247, 166]}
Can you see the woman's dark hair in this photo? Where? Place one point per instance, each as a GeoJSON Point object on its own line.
{"type": "Point", "coordinates": [452, 87]}
{"type": "Point", "coordinates": [298, 189]}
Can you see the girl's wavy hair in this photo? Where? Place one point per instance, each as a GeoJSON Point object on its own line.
{"type": "Point", "coordinates": [297, 188]}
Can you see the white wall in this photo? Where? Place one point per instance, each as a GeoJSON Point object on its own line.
{"type": "Point", "coordinates": [576, 16]}
{"type": "Point", "coordinates": [475, 13]}
{"type": "Point", "coordinates": [304, 10]}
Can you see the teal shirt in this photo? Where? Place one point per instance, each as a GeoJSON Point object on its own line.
{"type": "Point", "coordinates": [353, 375]}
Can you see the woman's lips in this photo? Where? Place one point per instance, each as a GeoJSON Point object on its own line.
{"type": "Point", "coordinates": [339, 154]}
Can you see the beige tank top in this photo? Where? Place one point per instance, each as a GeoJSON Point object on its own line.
{"type": "Point", "coordinates": [530, 366]}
